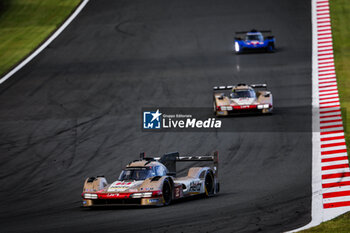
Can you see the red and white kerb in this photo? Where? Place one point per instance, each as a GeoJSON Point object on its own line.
{"type": "Point", "coordinates": [334, 159]}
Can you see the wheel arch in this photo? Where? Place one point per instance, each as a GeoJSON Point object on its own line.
{"type": "Point", "coordinates": [94, 183]}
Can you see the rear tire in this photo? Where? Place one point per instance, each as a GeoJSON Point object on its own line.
{"type": "Point", "coordinates": [167, 192]}
{"type": "Point", "coordinates": [271, 47]}
{"type": "Point", "coordinates": [214, 109]}
{"type": "Point", "coordinates": [217, 188]}
{"type": "Point", "coordinates": [209, 185]}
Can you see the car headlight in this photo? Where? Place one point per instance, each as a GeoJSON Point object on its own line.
{"type": "Point", "coordinates": [149, 194]}
{"type": "Point", "coordinates": [139, 195]}
{"type": "Point", "coordinates": [226, 108]}
{"type": "Point", "coordinates": [266, 105]}
{"type": "Point", "coordinates": [236, 47]}
{"type": "Point", "coordinates": [260, 106]}
{"type": "Point", "coordinates": [90, 196]}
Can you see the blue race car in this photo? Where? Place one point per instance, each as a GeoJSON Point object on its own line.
{"type": "Point", "coordinates": [254, 41]}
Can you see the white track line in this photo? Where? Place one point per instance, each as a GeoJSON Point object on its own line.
{"type": "Point", "coordinates": [46, 43]}
{"type": "Point", "coordinates": [316, 201]}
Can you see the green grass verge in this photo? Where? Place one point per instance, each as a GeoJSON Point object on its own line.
{"type": "Point", "coordinates": [24, 24]}
{"type": "Point", "coordinates": [340, 14]}
{"type": "Point", "coordinates": [340, 224]}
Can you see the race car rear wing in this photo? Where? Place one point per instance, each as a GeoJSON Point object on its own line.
{"type": "Point", "coordinates": [262, 31]}
{"type": "Point", "coordinates": [219, 88]}
{"type": "Point", "coordinates": [258, 85]}
{"type": "Point", "coordinates": [266, 33]}
{"type": "Point", "coordinates": [169, 160]}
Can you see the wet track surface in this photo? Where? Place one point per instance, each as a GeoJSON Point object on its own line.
{"type": "Point", "coordinates": [75, 112]}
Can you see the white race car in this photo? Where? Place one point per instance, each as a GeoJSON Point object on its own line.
{"type": "Point", "coordinates": [242, 98]}
{"type": "Point", "coordinates": [153, 181]}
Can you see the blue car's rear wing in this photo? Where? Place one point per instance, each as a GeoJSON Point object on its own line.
{"type": "Point", "coordinates": [265, 33]}
{"type": "Point", "coordinates": [262, 31]}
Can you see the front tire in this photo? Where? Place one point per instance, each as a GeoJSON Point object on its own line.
{"type": "Point", "coordinates": [167, 193]}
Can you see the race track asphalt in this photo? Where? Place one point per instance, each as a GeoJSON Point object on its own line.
{"type": "Point", "coordinates": [75, 111]}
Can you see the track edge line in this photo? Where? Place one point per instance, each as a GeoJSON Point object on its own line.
{"type": "Point", "coordinates": [46, 43]}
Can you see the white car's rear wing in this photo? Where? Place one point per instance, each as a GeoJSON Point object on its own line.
{"type": "Point", "coordinates": [219, 88]}
{"type": "Point", "coordinates": [169, 160]}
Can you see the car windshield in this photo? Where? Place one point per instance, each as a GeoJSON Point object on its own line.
{"type": "Point", "coordinates": [254, 37]}
{"type": "Point", "coordinates": [136, 174]}
{"type": "Point", "coordinates": [243, 94]}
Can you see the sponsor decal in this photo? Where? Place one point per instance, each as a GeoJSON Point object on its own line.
{"type": "Point", "coordinates": [195, 186]}
{"type": "Point", "coordinates": [153, 200]}
{"type": "Point", "coordinates": [113, 195]}
{"type": "Point", "coordinates": [244, 106]}
{"type": "Point", "coordinates": [177, 192]}
{"type": "Point", "coordinates": [120, 186]}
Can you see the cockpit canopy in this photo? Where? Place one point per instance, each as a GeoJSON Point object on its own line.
{"type": "Point", "coordinates": [243, 93]}
{"type": "Point", "coordinates": [255, 36]}
{"type": "Point", "coordinates": [142, 173]}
